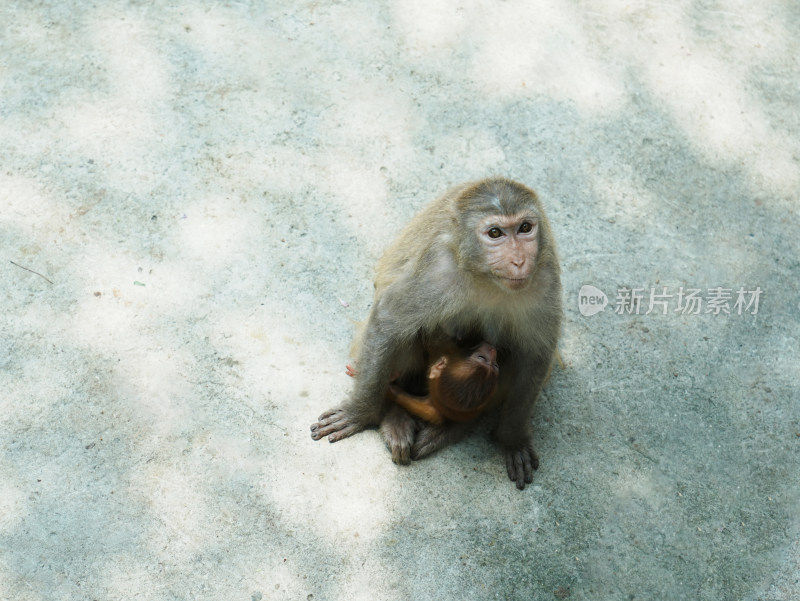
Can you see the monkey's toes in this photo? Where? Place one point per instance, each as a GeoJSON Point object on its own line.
{"type": "Point", "coordinates": [398, 429]}
{"type": "Point", "coordinates": [401, 454]}
{"type": "Point", "coordinates": [399, 443]}
{"type": "Point", "coordinates": [422, 449]}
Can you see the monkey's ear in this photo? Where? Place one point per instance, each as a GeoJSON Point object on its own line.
{"type": "Point", "coordinates": [437, 368]}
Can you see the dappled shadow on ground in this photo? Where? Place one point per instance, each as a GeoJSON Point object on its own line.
{"type": "Point", "coordinates": [207, 188]}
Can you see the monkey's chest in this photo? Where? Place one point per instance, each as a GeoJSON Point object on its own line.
{"type": "Point", "coordinates": [470, 329]}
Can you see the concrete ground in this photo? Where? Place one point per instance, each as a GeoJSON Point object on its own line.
{"type": "Point", "coordinates": [192, 200]}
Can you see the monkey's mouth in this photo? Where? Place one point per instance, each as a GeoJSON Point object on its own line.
{"type": "Point", "coordinates": [515, 283]}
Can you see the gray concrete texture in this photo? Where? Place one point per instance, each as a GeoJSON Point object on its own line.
{"type": "Point", "coordinates": [203, 190]}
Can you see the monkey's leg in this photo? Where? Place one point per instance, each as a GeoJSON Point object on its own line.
{"type": "Point", "coordinates": [335, 424]}
{"type": "Point", "coordinates": [398, 429]}
{"type": "Point", "coordinates": [432, 438]}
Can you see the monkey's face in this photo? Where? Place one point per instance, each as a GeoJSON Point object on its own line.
{"type": "Point", "coordinates": [468, 379]}
{"type": "Point", "coordinates": [510, 245]}
{"type": "Point", "coordinates": [484, 356]}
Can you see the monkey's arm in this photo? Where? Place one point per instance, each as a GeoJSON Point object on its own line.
{"type": "Point", "coordinates": [387, 337]}
{"type": "Point", "coordinates": [419, 406]}
{"type": "Point", "coordinates": [363, 409]}
{"type": "Point", "coordinates": [513, 429]}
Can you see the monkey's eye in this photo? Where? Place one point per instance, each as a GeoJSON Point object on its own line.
{"type": "Point", "coordinates": [526, 227]}
{"type": "Point", "coordinates": [494, 232]}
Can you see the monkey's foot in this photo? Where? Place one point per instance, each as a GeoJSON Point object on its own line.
{"type": "Point", "coordinates": [335, 424]}
{"type": "Point", "coordinates": [520, 463]}
{"type": "Point", "coordinates": [429, 440]}
{"type": "Point", "coordinates": [398, 429]}
{"type": "Point", "coordinates": [432, 438]}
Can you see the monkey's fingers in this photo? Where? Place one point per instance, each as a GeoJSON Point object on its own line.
{"type": "Point", "coordinates": [330, 423]}
{"type": "Point", "coordinates": [344, 432]}
{"type": "Point", "coordinates": [515, 470]}
{"type": "Point", "coordinates": [520, 464]}
{"type": "Point", "coordinates": [328, 415]}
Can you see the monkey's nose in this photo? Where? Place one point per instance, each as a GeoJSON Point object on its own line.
{"type": "Point", "coordinates": [487, 352]}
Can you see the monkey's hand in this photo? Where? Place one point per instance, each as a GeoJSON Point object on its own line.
{"type": "Point", "coordinates": [350, 370]}
{"type": "Point", "coordinates": [520, 463]}
{"type": "Point", "coordinates": [335, 424]}
{"type": "Point", "coordinates": [398, 429]}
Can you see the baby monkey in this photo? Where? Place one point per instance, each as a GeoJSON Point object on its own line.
{"type": "Point", "coordinates": [461, 383]}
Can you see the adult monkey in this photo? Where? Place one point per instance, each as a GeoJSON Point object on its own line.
{"type": "Point", "coordinates": [479, 262]}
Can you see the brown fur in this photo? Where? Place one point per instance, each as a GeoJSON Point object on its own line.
{"type": "Point", "coordinates": [444, 273]}
{"type": "Point", "coordinates": [462, 385]}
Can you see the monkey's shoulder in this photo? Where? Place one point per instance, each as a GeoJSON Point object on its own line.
{"type": "Point", "coordinates": [420, 291]}
{"type": "Point", "coordinates": [414, 265]}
